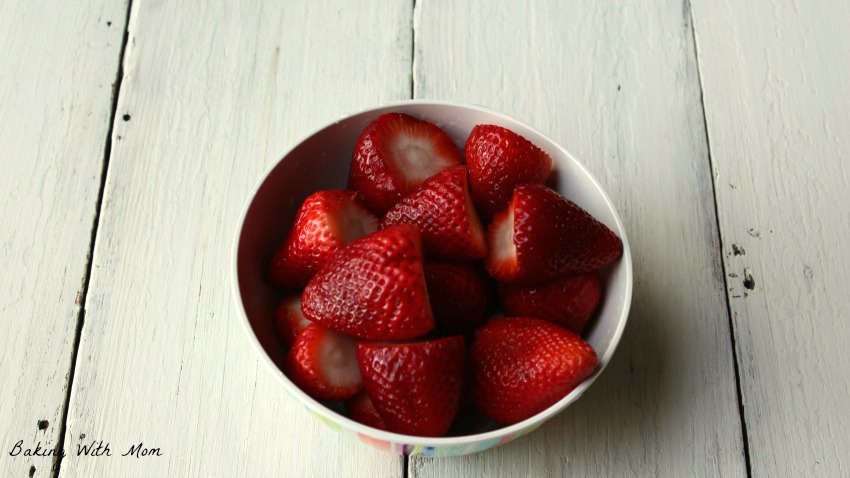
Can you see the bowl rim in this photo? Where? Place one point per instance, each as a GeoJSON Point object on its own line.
{"type": "Point", "coordinates": [412, 440]}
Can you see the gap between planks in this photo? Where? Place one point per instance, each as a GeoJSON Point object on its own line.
{"type": "Point", "coordinates": [116, 91]}
{"type": "Point", "coordinates": [739, 391]}
{"type": "Point", "coordinates": [405, 470]}
{"type": "Point", "coordinates": [107, 152]}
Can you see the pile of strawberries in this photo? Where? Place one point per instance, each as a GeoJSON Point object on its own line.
{"type": "Point", "coordinates": [394, 276]}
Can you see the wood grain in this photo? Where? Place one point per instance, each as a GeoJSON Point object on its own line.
{"type": "Point", "coordinates": [57, 66]}
{"type": "Point", "coordinates": [775, 80]}
{"type": "Point", "coordinates": [213, 93]}
{"type": "Point", "coordinates": [617, 84]}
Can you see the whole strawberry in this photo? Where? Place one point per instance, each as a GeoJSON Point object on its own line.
{"type": "Point", "coordinates": [568, 302]}
{"type": "Point", "coordinates": [542, 236]}
{"type": "Point", "coordinates": [521, 366]}
{"type": "Point", "coordinates": [361, 409]}
{"type": "Point", "coordinates": [326, 221]}
{"type": "Point", "coordinates": [442, 209]}
{"type": "Point", "coordinates": [499, 159]}
{"type": "Point", "coordinates": [289, 320]}
{"type": "Point", "coordinates": [322, 363]}
{"type": "Point", "coordinates": [374, 288]}
{"type": "Point", "coordinates": [394, 155]}
{"type": "Point", "coordinates": [415, 387]}
{"type": "Point", "coordinates": [459, 293]}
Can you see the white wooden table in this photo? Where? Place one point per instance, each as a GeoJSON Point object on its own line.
{"type": "Point", "coordinates": [131, 133]}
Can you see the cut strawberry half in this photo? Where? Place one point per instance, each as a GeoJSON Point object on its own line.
{"type": "Point", "coordinates": [394, 155]}
{"type": "Point", "coordinates": [326, 221]}
{"type": "Point", "coordinates": [460, 293]}
{"type": "Point", "coordinates": [416, 387]}
{"type": "Point", "coordinates": [374, 288]}
{"type": "Point", "coordinates": [568, 302]}
{"type": "Point", "coordinates": [442, 209]}
{"type": "Point", "coordinates": [521, 366]}
{"type": "Point", "coordinates": [289, 320]}
{"type": "Point", "coordinates": [323, 364]}
{"type": "Point", "coordinates": [499, 159]}
{"type": "Point", "coordinates": [542, 236]}
{"type": "Point", "coordinates": [361, 409]}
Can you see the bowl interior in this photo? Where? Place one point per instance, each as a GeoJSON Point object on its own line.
{"type": "Point", "coordinates": [321, 161]}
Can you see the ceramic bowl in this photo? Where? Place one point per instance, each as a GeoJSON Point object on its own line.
{"type": "Point", "coordinates": [321, 161]}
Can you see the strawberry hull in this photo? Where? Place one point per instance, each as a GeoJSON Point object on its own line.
{"type": "Point", "coordinates": [321, 363]}
{"type": "Point", "coordinates": [289, 319]}
{"type": "Point", "coordinates": [325, 223]}
{"type": "Point", "coordinates": [394, 155]}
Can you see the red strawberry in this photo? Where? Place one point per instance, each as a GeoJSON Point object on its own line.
{"type": "Point", "coordinates": [327, 221]}
{"type": "Point", "coordinates": [459, 295]}
{"type": "Point", "coordinates": [521, 366]}
{"type": "Point", "coordinates": [322, 363]}
{"type": "Point", "coordinates": [374, 288]}
{"type": "Point", "coordinates": [361, 409]}
{"type": "Point", "coordinates": [499, 159]}
{"type": "Point", "coordinates": [289, 319]}
{"type": "Point", "coordinates": [394, 155]}
{"type": "Point", "coordinates": [542, 236]}
{"type": "Point", "coordinates": [568, 302]}
{"type": "Point", "coordinates": [416, 387]}
{"type": "Point", "coordinates": [443, 210]}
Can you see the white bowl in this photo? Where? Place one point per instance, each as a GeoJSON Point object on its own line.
{"type": "Point", "coordinates": [321, 161]}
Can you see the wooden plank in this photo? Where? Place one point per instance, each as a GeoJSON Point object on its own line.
{"type": "Point", "coordinates": [617, 84]}
{"type": "Point", "coordinates": [57, 66]}
{"type": "Point", "coordinates": [213, 93]}
{"type": "Point", "coordinates": [775, 80]}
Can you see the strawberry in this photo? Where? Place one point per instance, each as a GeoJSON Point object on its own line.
{"type": "Point", "coordinates": [416, 386]}
{"type": "Point", "coordinates": [521, 366]}
{"type": "Point", "coordinates": [542, 236]}
{"type": "Point", "coordinates": [568, 302]}
{"type": "Point", "coordinates": [374, 288]}
{"type": "Point", "coordinates": [459, 294]}
{"type": "Point", "coordinates": [322, 363]}
{"type": "Point", "coordinates": [443, 210]}
{"type": "Point", "coordinates": [289, 320]}
{"type": "Point", "coordinates": [499, 159]}
{"type": "Point", "coordinates": [394, 155]}
{"type": "Point", "coordinates": [326, 221]}
{"type": "Point", "coordinates": [361, 409]}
